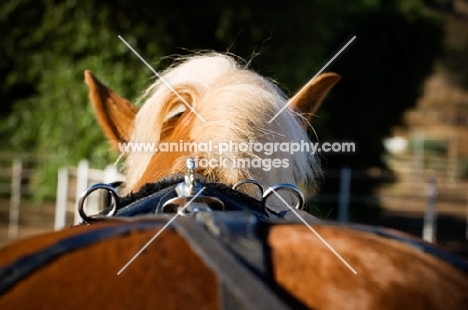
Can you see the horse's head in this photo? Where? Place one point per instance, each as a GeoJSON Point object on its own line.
{"type": "Point", "coordinates": [213, 109]}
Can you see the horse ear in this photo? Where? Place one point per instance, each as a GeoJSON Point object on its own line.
{"type": "Point", "coordinates": [309, 98]}
{"type": "Point", "coordinates": [114, 113]}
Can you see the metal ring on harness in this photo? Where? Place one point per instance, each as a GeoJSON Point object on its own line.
{"type": "Point", "coordinates": [93, 218]}
{"type": "Point", "coordinates": [249, 181]}
{"type": "Point", "coordinates": [274, 190]}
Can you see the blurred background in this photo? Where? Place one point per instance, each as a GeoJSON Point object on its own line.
{"type": "Point", "coordinates": [403, 97]}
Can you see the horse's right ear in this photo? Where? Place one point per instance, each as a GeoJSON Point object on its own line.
{"type": "Point", "coordinates": [114, 113]}
{"type": "Point", "coordinates": [309, 98]}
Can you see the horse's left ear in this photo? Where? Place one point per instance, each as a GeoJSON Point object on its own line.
{"type": "Point", "coordinates": [114, 113]}
{"type": "Point", "coordinates": [309, 98]}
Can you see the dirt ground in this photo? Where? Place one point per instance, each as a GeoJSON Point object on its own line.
{"type": "Point", "coordinates": [33, 220]}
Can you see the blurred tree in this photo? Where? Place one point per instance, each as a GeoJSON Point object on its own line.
{"type": "Point", "coordinates": [383, 74]}
{"type": "Point", "coordinates": [48, 44]}
{"type": "Point", "coordinates": [47, 47]}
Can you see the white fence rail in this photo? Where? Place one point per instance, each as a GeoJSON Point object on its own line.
{"type": "Point", "coordinates": [15, 183]}
{"type": "Point", "coordinates": [72, 182]}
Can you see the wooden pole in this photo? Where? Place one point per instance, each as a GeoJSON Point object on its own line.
{"type": "Point", "coordinates": [430, 216]}
{"type": "Point", "coordinates": [81, 185]}
{"type": "Point", "coordinates": [61, 199]}
{"type": "Point", "coordinates": [466, 229]}
{"type": "Point", "coordinates": [15, 198]}
{"type": "Point", "coordinates": [345, 186]}
{"type": "Point", "coordinates": [110, 174]}
{"type": "Point", "coordinates": [418, 153]}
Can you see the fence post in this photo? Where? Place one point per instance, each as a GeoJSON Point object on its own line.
{"type": "Point", "coordinates": [418, 153]}
{"type": "Point", "coordinates": [466, 229]}
{"type": "Point", "coordinates": [452, 164]}
{"type": "Point", "coordinates": [61, 199]}
{"type": "Point", "coordinates": [430, 217]}
{"type": "Point", "coordinates": [345, 185]}
{"type": "Point", "coordinates": [15, 198]}
{"type": "Point", "coordinates": [110, 174]}
{"type": "Point", "coordinates": [81, 185]}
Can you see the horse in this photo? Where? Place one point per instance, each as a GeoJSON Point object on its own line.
{"type": "Point", "coordinates": [215, 88]}
{"type": "Point", "coordinates": [215, 101]}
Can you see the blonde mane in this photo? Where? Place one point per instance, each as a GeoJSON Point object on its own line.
{"type": "Point", "coordinates": [237, 105]}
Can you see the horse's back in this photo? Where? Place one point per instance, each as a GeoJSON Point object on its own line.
{"type": "Point", "coordinates": [167, 275]}
{"type": "Point", "coordinates": [77, 268]}
{"type": "Point", "coordinates": [390, 274]}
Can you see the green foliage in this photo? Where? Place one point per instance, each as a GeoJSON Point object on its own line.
{"type": "Point", "coordinates": [48, 44]}
{"type": "Point", "coordinates": [50, 55]}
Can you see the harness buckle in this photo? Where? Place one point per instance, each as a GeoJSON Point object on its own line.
{"type": "Point", "coordinates": [266, 193]}
{"type": "Point", "coordinates": [186, 191]}
{"type": "Point", "coordinates": [109, 211]}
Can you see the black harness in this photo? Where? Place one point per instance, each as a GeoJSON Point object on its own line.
{"type": "Point", "coordinates": [151, 198]}
{"type": "Point", "coordinates": [233, 241]}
